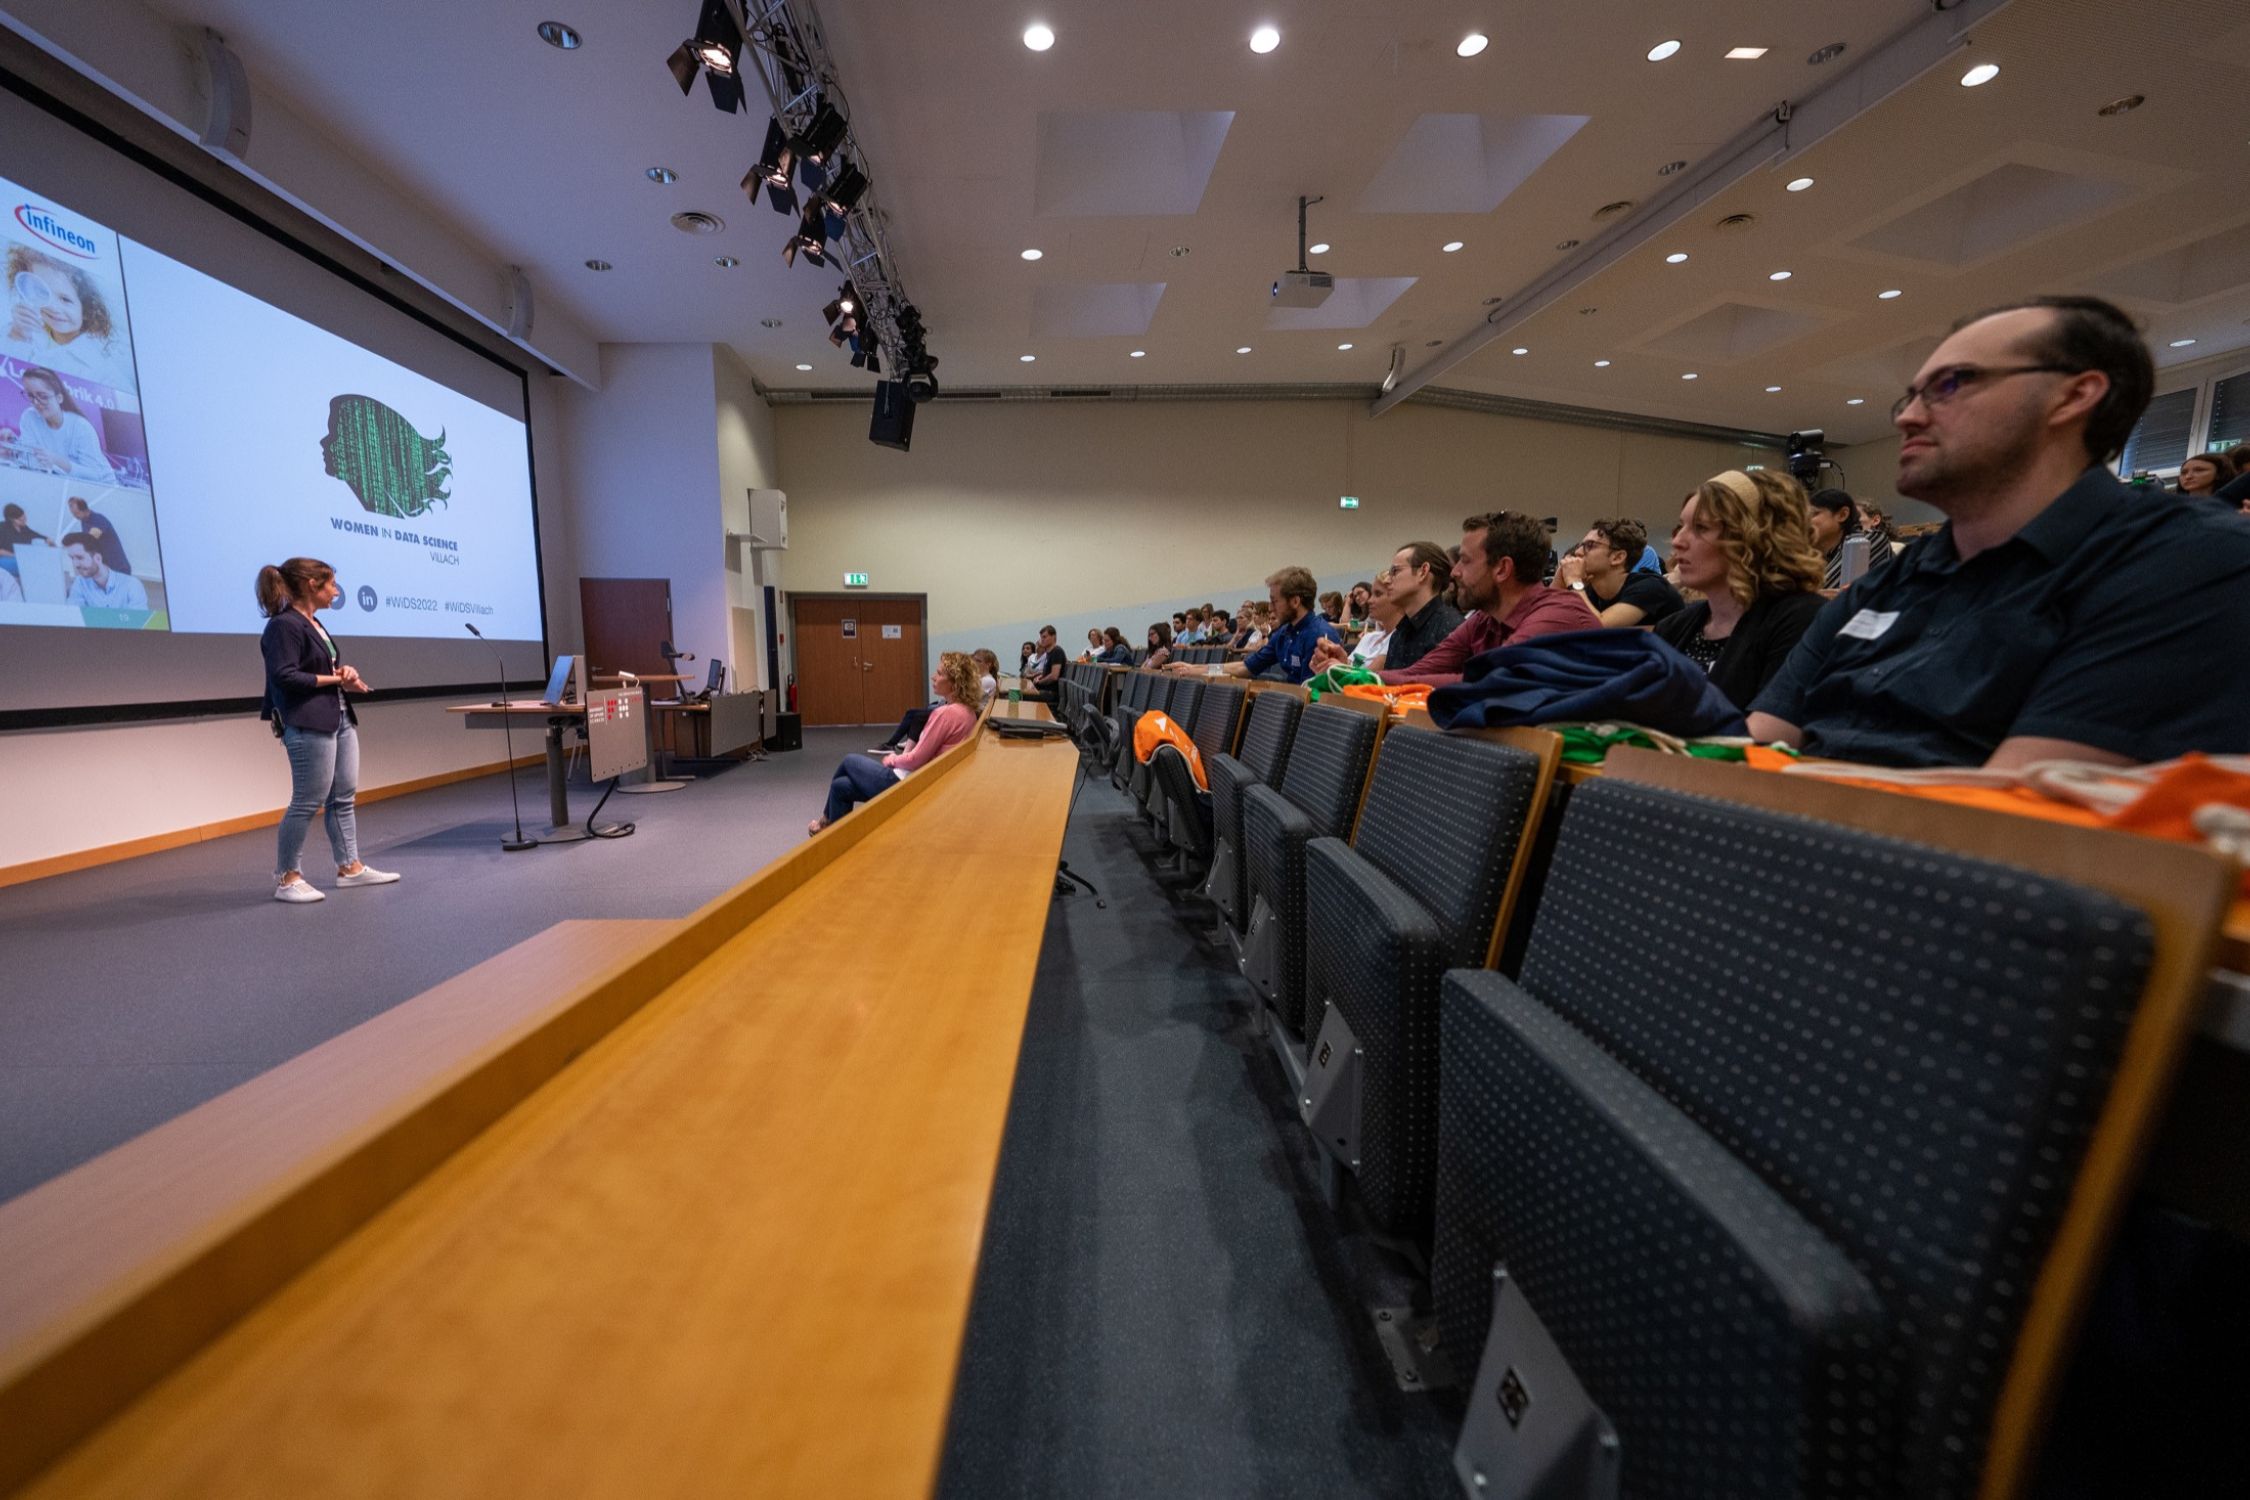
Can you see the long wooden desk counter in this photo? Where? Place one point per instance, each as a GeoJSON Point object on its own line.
{"type": "Point", "coordinates": [726, 1251]}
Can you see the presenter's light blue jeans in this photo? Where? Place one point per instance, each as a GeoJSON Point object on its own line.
{"type": "Point", "coordinates": [858, 778]}
{"type": "Point", "coordinates": [323, 768]}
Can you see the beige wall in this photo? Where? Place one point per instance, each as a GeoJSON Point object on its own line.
{"type": "Point", "coordinates": [747, 461]}
{"type": "Point", "coordinates": [1009, 515]}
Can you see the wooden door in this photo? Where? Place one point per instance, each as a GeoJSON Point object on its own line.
{"type": "Point", "coordinates": [897, 677]}
{"type": "Point", "coordinates": [626, 621]}
{"type": "Point", "coordinates": [830, 671]}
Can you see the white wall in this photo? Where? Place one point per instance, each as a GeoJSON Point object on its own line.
{"type": "Point", "coordinates": [747, 460]}
{"type": "Point", "coordinates": [1014, 515]}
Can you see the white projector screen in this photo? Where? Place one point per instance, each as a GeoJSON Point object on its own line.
{"type": "Point", "coordinates": [184, 399]}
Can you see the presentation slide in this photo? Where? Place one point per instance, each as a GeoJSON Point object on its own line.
{"type": "Point", "coordinates": [164, 434]}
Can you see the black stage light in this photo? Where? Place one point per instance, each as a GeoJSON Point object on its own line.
{"type": "Point", "coordinates": [772, 171]}
{"type": "Point", "coordinates": [810, 240]}
{"type": "Point", "coordinates": [715, 51]}
{"type": "Point", "coordinates": [848, 188]}
{"type": "Point", "coordinates": [844, 308]}
{"type": "Point", "coordinates": [868, 360]}
{"type": "Point", "coordinates": [824, 134]}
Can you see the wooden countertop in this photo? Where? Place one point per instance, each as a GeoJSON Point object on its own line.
{"type": "Point", "coordinates": [726, 1251]}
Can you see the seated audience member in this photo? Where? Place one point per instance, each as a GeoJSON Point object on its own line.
{"type": "Point", "coordinates": [1116, 650]}
{"type": "Point", "coordinates": [988, 675]}
{"type": "Point", "coordinates": [1094, 645]}
{"type": "Point", "coordinates": [94, 582]}
{"type": "Point", "coordinates": [1159, 646]}
{"type": "Point", "coordinates": [1420, 584]}
{"type": "Point", "coordinates": [910, 724]}
{"type": "Point", "coordinates": [1179, 627]}
{"type": "Point", "coordinates": [1357, 601]}
{"type": "Point", "coordinates": [1024, 667]}
{"type": "Point", "coordinates": [859, 778]}
{"type": "Point", "coordinates": [1834, 515]}
{"type": "Point", "coordinates": [1881, 539]}
{"type": "Point", "coordinates": [1047, 669]}
{"type": "Point", "coordinates": [1501, 555]}
{"type": "Point", "coordinates": [1744, 545]}
{"type": "Point", "coordinates": [2055, 615]}
{"type": "Point", "coordinates": [1299, 628]}
{"type": "Point", "coordinates": [1650, 560]}
{"type": "Point", "coordinates": [15, 532]}
{"type": "Point", "coordinates": [1600, 567]}
{"type": "Point", "coordinates": [2236, 491]}
{"type": "Point", "coordinates": [2201, 476]}
{"type": "Point", "coordinates": [1261, 625]}
{"type": "Point", "coordinates": [1332, 607]}
{"type": "Point", "coordinates": [1375, 639]}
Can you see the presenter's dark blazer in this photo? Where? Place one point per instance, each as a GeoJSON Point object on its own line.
{"type": "Point", "coordinates": [296, 657]}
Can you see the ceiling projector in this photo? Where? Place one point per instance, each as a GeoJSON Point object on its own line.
{"type": "Point", "coordinates": [1303, 288]}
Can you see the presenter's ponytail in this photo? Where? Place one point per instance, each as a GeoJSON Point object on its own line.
{"type": "Point", "coordinates": [280, 587]}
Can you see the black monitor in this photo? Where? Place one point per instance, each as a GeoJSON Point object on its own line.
{"type": "Point", "coordinates": [716, 682]}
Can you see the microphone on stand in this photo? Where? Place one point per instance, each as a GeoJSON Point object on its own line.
{"type": "Point", "coordinates": [519, 843]}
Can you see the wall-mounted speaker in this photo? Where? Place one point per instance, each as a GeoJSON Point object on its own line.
{"type": "Point", "coordinates": [226, 116]}
{"type": "Point", "coordinates": [515, 302]}
{"type": "Point", "coordinates": [893, 422]}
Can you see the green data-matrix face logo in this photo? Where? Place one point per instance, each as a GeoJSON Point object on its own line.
{"type": "Point", "coordinates": [394, 470]}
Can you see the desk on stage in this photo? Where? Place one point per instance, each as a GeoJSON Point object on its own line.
{"type": "Point", "coordinates": [617, 736]}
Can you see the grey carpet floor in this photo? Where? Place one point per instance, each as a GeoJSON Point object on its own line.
{"type": "Point", "coordinates": [135, 991]}
{"type": "Point", "coordinates": [1166, 1303]}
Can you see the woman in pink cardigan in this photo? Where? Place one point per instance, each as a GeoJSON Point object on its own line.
{"type": "Point", "coordinates": [860, 777]}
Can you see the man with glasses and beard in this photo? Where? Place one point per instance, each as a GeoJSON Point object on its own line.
{"type": "Point", "coordinates": [2054, 615]}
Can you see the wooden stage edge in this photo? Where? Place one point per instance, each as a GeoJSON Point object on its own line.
{"type": "Point", "coordinates": [156, 843]}
{"type": "Point", "coordinates": [136, 1263]}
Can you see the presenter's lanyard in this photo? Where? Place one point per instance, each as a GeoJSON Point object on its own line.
{"type": "Point", "coordinates": [333, 656]}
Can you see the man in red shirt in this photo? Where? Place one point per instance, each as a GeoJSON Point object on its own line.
{"type": "Point", "coordinates": [1503, 557]}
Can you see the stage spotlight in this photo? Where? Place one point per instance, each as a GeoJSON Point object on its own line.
{"type": "Point", "coordinates": [774, 165]}
{"type": "Point", "coordinates": [843, 312]}
{"type": "Point", "coordinates": [870, 361]}
{"type": "Point", "coordinates": [824, 134]}
{"type": "Point", "coordinates": [715, 51]}
{"type": "Point", "coordinates": [810, 240]}
{"type": "Point", "coordinates": [848, 188]}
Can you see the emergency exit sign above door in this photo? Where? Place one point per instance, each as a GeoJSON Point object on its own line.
{"type": "Point", "coordinates": [855, 580]}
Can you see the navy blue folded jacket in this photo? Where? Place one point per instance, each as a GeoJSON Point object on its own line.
{"type": "Point", "coordinates": [1579, 675]}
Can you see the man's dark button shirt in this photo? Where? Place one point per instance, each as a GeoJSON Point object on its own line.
{"type": "Point", "coordinates": [1419, 631]}
{"type": "Point", "coordinates": [2110, 620]}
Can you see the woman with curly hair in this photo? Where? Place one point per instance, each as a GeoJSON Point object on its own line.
{"type": "Point", "coordinates": [57, 317]}
{"type": "Point", "coordinates": [862, 777]}
{"type": "Point", "coordinates": [1744, 542]}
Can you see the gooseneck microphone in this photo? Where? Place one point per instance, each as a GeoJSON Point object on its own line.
{"type": "Point", "coordinates": [519, 843]}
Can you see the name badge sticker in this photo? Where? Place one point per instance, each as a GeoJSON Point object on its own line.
{"type": "Point", "coordinates": [1869, 624]}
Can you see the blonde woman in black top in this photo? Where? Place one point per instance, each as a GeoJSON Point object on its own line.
{"type": "Point", "coordinates": [1745, 543]}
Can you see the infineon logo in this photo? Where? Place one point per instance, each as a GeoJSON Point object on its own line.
{"type": "Point", "coordinates": [44, 224]}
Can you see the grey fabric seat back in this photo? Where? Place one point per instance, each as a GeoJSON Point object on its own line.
{"type": "Point", "coordinates": [1182, 801]}
{"type": "Point", "coordinates": [1443, 817]}
{"type": "Point", "coordinates": [1216, 717]}
{"type": "Point", "coordinates": [1737, 1349]}
{"type": "Point", "coordinates": [1275, 832]}
{"type": "Point", "coordinates": [1180, 703]}
{"type": "Point", "coordinates": [1328, 766]}
{"type": "Point", "coordinates": [1911, 1046]}
{"type": "Point", "coordinates": [1266, 734]}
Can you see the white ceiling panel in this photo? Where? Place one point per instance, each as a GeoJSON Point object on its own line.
{"type": "Point", "coordinates": [1465, 164]}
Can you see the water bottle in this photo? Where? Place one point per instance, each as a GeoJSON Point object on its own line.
{"type": "Point", "coordinates": [1855, 558]}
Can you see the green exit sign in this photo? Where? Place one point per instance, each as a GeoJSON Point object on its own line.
{"type": "Point", "coordinates": [1348, 502]}
{"type": "Point", "coordinates": [855, 580]}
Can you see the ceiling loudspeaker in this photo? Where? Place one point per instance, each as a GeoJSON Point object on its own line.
{"type": "Point", "coordinates": [226, 118]}
{"type": "Point", "coordinates": [515, 302]}
{"type": "Point", "coordinates": [892, 425]}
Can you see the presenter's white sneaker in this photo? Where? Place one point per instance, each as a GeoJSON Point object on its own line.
{"type": "Point", "coordinates": [366, 875]}
{"type": "Point", "coordinates": [297, 892]}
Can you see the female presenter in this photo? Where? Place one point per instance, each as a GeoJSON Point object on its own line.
{"type": "Point", "coordinates": [305, 686]}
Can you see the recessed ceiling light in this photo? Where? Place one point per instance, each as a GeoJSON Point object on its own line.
{"type": "Point", "coordinates": [1033, 254]}
{"type": "Point", "coordinates": [2179, 343]}
{"type": "Point", "coordinates": [1690, 375]}
{"type": "Point", "coordinates": [1889, 295]}
{"type": "Point", "coordinates": [556, 34]}
{"type": "Point", "coordinates": [1450, 246]}
{"type": "Point", "coordinates": [1340, 348]}
{"type": "Point", "coordinates": [769, 322]}
{"type": "Point", "coordinates": [662, 174]}
{"type": "Point", "coordinates": [1601, 364]}
{"type": "Point", "coordinates": [2124, 106]}
{"type": "Point", "coordinates": [597, 265]}
{"type": "Point", "coordinates": [1799, 184]}
{"type": "Point", "coordinates": [727, 262]}
{"type": "Point", "coordinates": [1772, 390]}
{"type": "Point", "coordinates": [1138, 354]}
{"type": "Point", "coordinates": [1319, 249]}
{"type": "Point", "coordinates": [1264, 39]}
{"type": "Point", "coordinates": [1856, 401]}
{"type": "Point", "coordinates": [1567, 245]}
{"type": "Point", "coordinates": [1745, 54]}
{"type": "Point", "coordinates": [1472, 44]}
{"type": "Point", "coordinates": [1675, 257]}
{"type": "Point", "coordinates": [1025, 359]}
{"type": "Point", "coordinates": [1519, 349]}
{"type": "Point", "coordinates": [1037, 37]}
{"type": "Point", "coordinates": [1827, 54]}
{"type": "Point", "coordinates": [1670, 167]}
{"type": "Point", "coordinates": [1663, 50]}
{"type": "Point", "coordinates": [1778, 276]}
{"type": "Point", "coordinates": [804, 367]}
{"type": "Point", "coordinates": [1982, 73]}
{"type": "Point", "coordinates": [1245, 349]}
